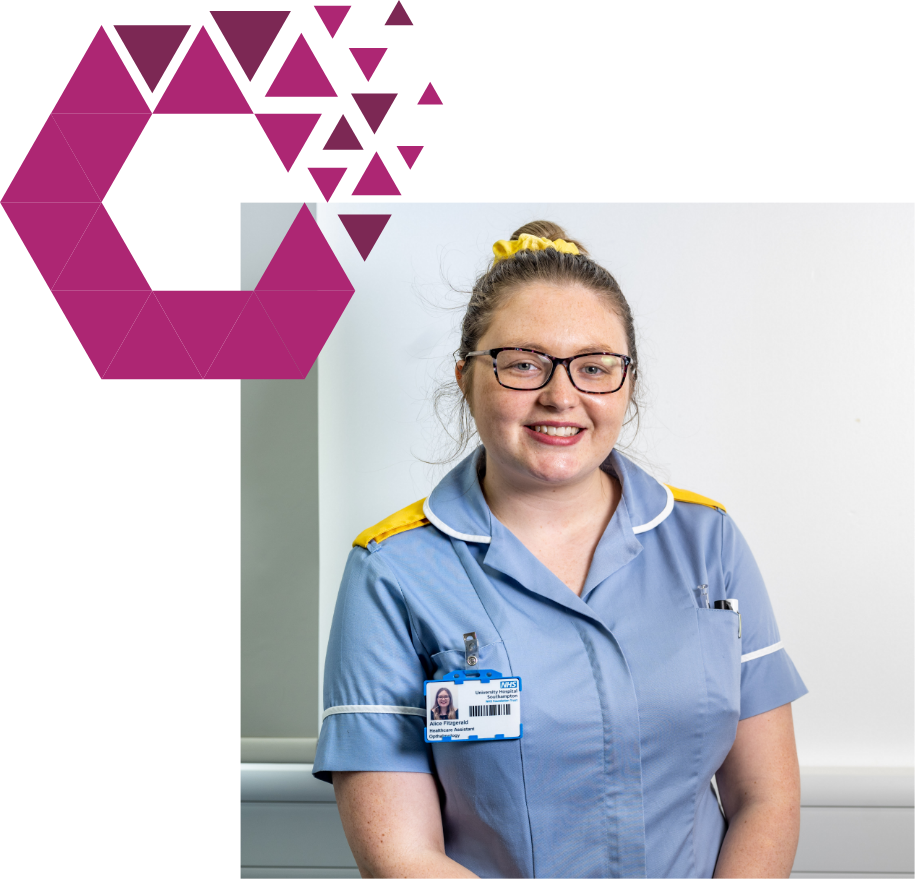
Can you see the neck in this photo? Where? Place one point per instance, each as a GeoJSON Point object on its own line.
{"type": "Point", "coordinates": [550, 509]}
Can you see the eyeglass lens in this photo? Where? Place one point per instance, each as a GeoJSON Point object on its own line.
{"type": "Point", "coordinates": [525, 370]}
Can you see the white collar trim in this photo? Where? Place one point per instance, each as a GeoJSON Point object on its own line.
{"type": "Point", "coordinates": [657, 520]}
{"type": "Point", "coordinates": [473, 538]}
{"type": "Point", "coordinates": [484, 538]}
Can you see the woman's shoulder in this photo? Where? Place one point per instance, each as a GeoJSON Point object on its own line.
{"type": "Point", "coordinates": [701, 521]}
{"type": "Point", "coordinates": [407, 519]}
{"type": "Point", "coordinates": [691, 497]}
{"type": "Point", "coordinates": [651, 502]}
{"type": "Point", "coordinates": [404, 539]}
{"type": "Point", "coordinates": [695, 516]}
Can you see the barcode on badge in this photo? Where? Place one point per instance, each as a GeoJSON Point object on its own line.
{"type": "Point", "coordinates": [489, 710]}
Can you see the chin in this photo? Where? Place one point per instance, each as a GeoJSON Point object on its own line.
{"type": "Point", "coordinates": [556, 469]}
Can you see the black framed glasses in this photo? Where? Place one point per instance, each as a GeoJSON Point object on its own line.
{"type": "Point", "coordinates": [524, 369]}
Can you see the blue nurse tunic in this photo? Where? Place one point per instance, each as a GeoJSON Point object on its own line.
{"type": "Point", "coordinates": [632, 692]}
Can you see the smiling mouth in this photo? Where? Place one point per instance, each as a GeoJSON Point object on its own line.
{"type": "Point", "coordinates": [555, 431]}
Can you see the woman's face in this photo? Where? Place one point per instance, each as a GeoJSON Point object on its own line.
{"type": "Point", "coordinates": [444, 699]}
{"type": "Point", "coordinates": [562, 321]}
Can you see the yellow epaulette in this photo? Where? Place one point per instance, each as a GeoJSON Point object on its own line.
{"type": "Point", "coordinates": [403, 520]}
{"type": "Point", "coordinates": [690, 497]}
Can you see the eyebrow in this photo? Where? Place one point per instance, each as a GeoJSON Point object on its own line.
{"type": "Point", "coordinates": [587, 348]}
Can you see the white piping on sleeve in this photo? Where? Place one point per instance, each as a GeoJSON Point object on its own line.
{"type": "Point", "coordinates": [764, 652]}
{"type": "Point", "coordinates": [657, 520]}
{"type": "Point", "coordinates": [374, 709]}
{"type": "Point", "coordinates": [473, 538]}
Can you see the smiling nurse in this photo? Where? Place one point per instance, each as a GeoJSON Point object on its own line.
{"type": "Point", "coordinates": [544, 448]}
{"type": "Point", "coordinates": [593, 583]}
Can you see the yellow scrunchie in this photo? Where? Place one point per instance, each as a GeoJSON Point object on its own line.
{"type": "Point", "coordinates": [506, 249]}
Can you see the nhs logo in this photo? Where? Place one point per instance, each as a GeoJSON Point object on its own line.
{"type": "Point", "coordinates": [508, 685]}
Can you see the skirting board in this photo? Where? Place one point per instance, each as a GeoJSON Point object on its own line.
{"type": "Point", "coordinates": [278, 750]}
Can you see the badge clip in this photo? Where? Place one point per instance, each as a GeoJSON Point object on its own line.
{"type": "Point", "coordinates": [471, 649]}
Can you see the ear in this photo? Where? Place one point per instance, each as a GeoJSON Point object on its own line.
{"type": "Point", "coordinates": [463, 380]}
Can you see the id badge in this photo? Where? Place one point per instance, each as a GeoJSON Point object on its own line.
{"type": "Point", "coordinates": [474, 706]}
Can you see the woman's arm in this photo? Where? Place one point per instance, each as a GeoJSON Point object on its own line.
{"type": "Point", "coordinates": [760, 788]}
{"type": "Point", "coordinates": [393, 823]}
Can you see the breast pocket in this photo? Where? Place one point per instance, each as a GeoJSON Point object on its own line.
{"type": "Point", "coordinates": [489, 656]}
{"type": "Point", "coordinates": [720, 646]}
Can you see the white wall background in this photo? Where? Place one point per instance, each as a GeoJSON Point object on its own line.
{"type": "Point", "coordinates": [777, 350]}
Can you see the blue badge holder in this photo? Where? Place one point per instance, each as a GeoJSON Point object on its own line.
{"type": "Point", "coordinates": [477, 676]}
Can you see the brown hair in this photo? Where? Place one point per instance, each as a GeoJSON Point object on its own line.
{"type": "Point", "coordinates": [493, 288]}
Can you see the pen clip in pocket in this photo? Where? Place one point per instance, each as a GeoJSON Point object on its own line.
{"type": "Point", "coordinates": [731, 604]}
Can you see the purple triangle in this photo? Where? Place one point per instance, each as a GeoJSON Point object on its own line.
{"type": "Point", "coordinates": [376, 180]}
{"type": "Point", "coordinates": [398, 15]}
{"type": "Point", "coordinates": [304, 260]}
{"type": "Point", "coordinates": [364, 229]}
{"type": "Point", "coordinates": [332, 16]}
{"type": "Point", "coordinates": [374, 108]}
{"type": "Point", "coordinates": [327, 179]}
{"type": "Point", "coordinates": [203, 84]}
{"type": "Point", "coordinates": [250, 35]}
{"type": "Point", "coordinates": [430, 96]}
{"type": "Point", "coordinates": [410, 154]}
{"type": "Point", "coordinates": [288, 133]}
{"type": "Point", "coordinates": [301, 76]}
{"type": "Point", "coordinates": [368, 60]}
{"type": "Point", "coordinates": [303, 322]}
{"type": "Point", "coordinates": [152, 47]}
{"type": "Point", "coordinates": [343, 137]}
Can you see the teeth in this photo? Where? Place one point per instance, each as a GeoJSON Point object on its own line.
{"type": "Point", "coordinates": [557, 431]}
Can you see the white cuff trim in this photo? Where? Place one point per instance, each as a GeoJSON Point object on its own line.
{"type": "Point", "coordinates": [374, 709]}
{"type": "Point", "coordinates": [764, 652]}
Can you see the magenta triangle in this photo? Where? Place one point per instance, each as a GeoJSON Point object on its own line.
{"type": "Point", "coordinates": [203, 84]}
{"type": "Point", "coordinates": [327, 179]}
{"type": "Point", "coordinates": [343, 137]}
{"type": "Point", "coordinates": [152, 47]}
{"type": "Point", "coordinates": [250, 35]}
{"type": "Point", "coordinates": [332, 16]}
{"type": "Point", "coordinates": [364, 229]}
{"type": "Point", "coordinates": [288, 132]}
{"type": "Point", "coordinates": [374, 107]}
{"type": "Point", "coordinates": [301, 76]}
{"type": "Point", "coordinates": [304, 260]}
{"type": "Point", "coordinates": [430, 96]}
{"type": "Point", "coordinates": [368, 60]}
{"type": "Point", "coordinates": [398, 15]}
{"type": "Point", "coordinates": [410, 154]}
{"type": "Point", "coordinates": [304, 321]}
{"type": "Point", "coordinates": [376, 180]}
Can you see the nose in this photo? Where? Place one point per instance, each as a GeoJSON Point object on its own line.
{"type": "Point", "coordinates": [559, 393]}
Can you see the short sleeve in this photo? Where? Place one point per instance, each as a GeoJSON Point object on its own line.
{"type": "Point", "coordinates": [768, 677]}
{"type": "Point", "coordinates": [373, 677]}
